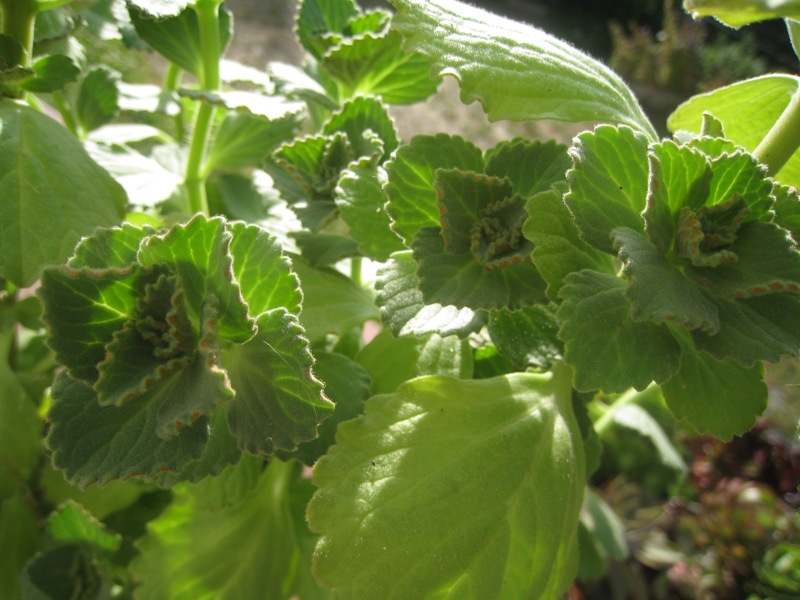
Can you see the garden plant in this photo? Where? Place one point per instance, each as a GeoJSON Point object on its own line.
{"type": "Point", "coordinates": [255, 346]}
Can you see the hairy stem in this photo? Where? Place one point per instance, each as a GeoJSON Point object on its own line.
{"type": "Point", "coordinates": [782, 140]}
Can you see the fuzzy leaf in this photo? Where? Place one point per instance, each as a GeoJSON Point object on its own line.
{"type": "Point", "coordinates": [608, 183]}
{"type": "Point", "coordinates": [463, 282]}
{"type": "Point", "coordinates": [405, 312]}
{"type": "Point", "coordinates": [596, 322]}
{"type": "Point", "coordinates": [198, 253]}
{"type": "Point", "coordinates": [361, 201]}
{"type": "Point", "coordinates": [721, 398]}
{"type": "Point", "coordinates": [508, 80]}
{"type": "Point", "coordinates": [532, 167]}
{"type": "Point", "coordinates": [91, 443]}
{"type": "Point", "coordinates": [558, 249]}
{"type": "Point", "coordinates": [658, 290]}
{"type": "Point", "coordinates": [496, 469]}
{"type": "Point", "coordinates": [528, 337]}
{"type": "Point", "coordinates": [316, 18]}
{"type": "Point", "coordinates": [359, 116]}
{"type": "Point", "coordinates": [52, 193]}
{"type": "Point", "coordinates": [768, 261]}
{"type": "Point", "coordinates": [279, 403]}
{"type": "Point", "coordinates": [412, 197]}
{"type": "Point", "coordinates": [70, 522]}
{"type": "Point", "coordinates": [244, 141]}
{"type": "Point", "coordinates": [377, 64]}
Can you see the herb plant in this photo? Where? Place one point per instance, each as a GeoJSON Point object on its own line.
{"type": "Point", "coordinates": [187, 323]}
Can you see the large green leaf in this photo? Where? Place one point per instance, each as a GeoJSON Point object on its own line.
{"type": "Point", "coordinates": [51, 193]}
{"type": "Point", "coordinates": [608, 183]}
{"type": "Point", "coordinates": [279, 403]}
{"type": "Point", "coordinates": [737, 13]}
{"type": "Point", "coordinates": [748, 110]}
{"type": "Point", "coordinates": [244, 544]}
{"type": "Point", "coordinates": [479, 499]}
{"type": "Point", "coordinates": [597, 322]}
{"type": "Point", "coordinates": [515, 71]}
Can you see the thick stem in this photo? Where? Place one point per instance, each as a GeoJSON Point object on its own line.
{"type": "Point", "coordinates": [782, 140]}
{"type": "Point", "coordinates": [208, 21]}
{"type": "Point", "coordinates": [18, 19]}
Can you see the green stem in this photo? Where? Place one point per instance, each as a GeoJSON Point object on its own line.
{"type": "Point", "coordinates": [18, 19]}
{"type": "Point", "coordinates": [356, 264]}
{"type": "Point", "coordinates": [208, 21]}
{"type": "Point", "coordinates": [782, 140]}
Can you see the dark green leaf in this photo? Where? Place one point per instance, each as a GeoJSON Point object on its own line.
{"type": "Point", "coordinates": [279, 403]}
{"type": "Point", "coordinates": [412, 197]}
{"type": "Point", "coordinates": [532, 167]}
{"type": "Point", "coordinates": [91, 443]}
{"type": "Point", "coordinates": [52, 193]}
{"type": "Point", "coordinates": [53, 72]}
{"type": "Point", "coordinates": [20, 538]}
{"type": "Point", "coordinates": [721, 398]}
{"type": "Point", "coordinates": [659, 291]}
{"type": "Point", "coordinates": [558, 249]}
{"type": "Point", "coordinates": [64, 571]}
{"type": "Point", "coordinates": [596, 318]}
{"type": "Point", "coordinates": [97, 99]}
{"type": "Point", "coordinates": [405, 312]}
{"type": "Point", "coordinates": [608, 183]}
{"type": "Point", "coordinates": [462, 281]}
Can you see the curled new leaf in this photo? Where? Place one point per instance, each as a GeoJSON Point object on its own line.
{"type": "Point", "coordinates": [183, 327]}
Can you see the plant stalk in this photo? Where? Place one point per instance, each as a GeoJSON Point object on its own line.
{"type": "Point", "coordinates": [208, 21]}
{"type": "Point", "coordinates": [18, 19]}
{"type": "Point", "coordinates": [782, 140]}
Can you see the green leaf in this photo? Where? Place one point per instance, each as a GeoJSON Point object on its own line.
{"type": "Point", "coordinates": [70, 522]}
{"type": "Point", "coordinates": [316, 18]}
{"type": "Point", "coordinates": [456, 506]}
{"type": "Point", "coordinates": [63, 571]}
{"type": "Point", "coordinates": [377, 64]}
{"type": "Point", "coordinates": [412, 197]}
{"type": "Point", "coordinates": [389, 361]}
{"type": "Point", "coordinates": [263, 273]}
{"type": "Point", "coordinates": [332, 303]}
{"type": "Point", "coordinates": [737, 13]}
{"type": "Point", "coordinates": [748, 110]}
{"type": "Point", "coordinates": [253, 104]}
{"type": "Point", "coordinates": [606, 527]}
{"type": "Point", "coordinates": [191, 551]}
{"type": "Point", "coordinates": [462, 281]}
{"type": "Point", "coordinates": [680, 177]}
{"type": "Point", "coordinates": [558, 249]}
{"type": "Point", "coordinates": [52, 193]}
{"type": "Point", "coordinates": [532, 167]}
{"type": "Point", "coordinates": [82, 310]}
{"type": "Point", "coordinates": [754, 329]}
{"type": "Point", "coordinates": [91, 443]}
{"type": "Point", "coordinates": [359, 116]}
{"type": "Point", "coordinates": [596, 322]}
{"type": "Point", "coordinates": [324, 249]}
{"type": "Point", "coordinates": [53, 73]}
{"type": "Point", "coordinates": [279, 403]}
{"type": "Point", "coordinates": [361, 202]}
{"type": "Point", "coordinates": [508, 79]}
{"type": "Point", "coordinates": [528, 337]}
{"type": "Point", "coordinates": [244, 141]}
{"type": "Point", "coordinates": [175, 32]}
{"type": "Point", "coordinates": [721, 398]}
{"type": "Point", "coordinates": [608, 183]}
{"type": "Point", "coordinates": [198, 253]}
{"type": "Point", "coordinates": [658, 290]}
{"type": "Point", "coordinates": [97, 102]}
{"type": "Point", "coordinates": [347, 384]}
{"type": "Point", "coordinates": [787, 210]}
{"type": "Point", "coordinates": [406, 313]}
{"type": "Point", "coordinates": [768, 261]}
